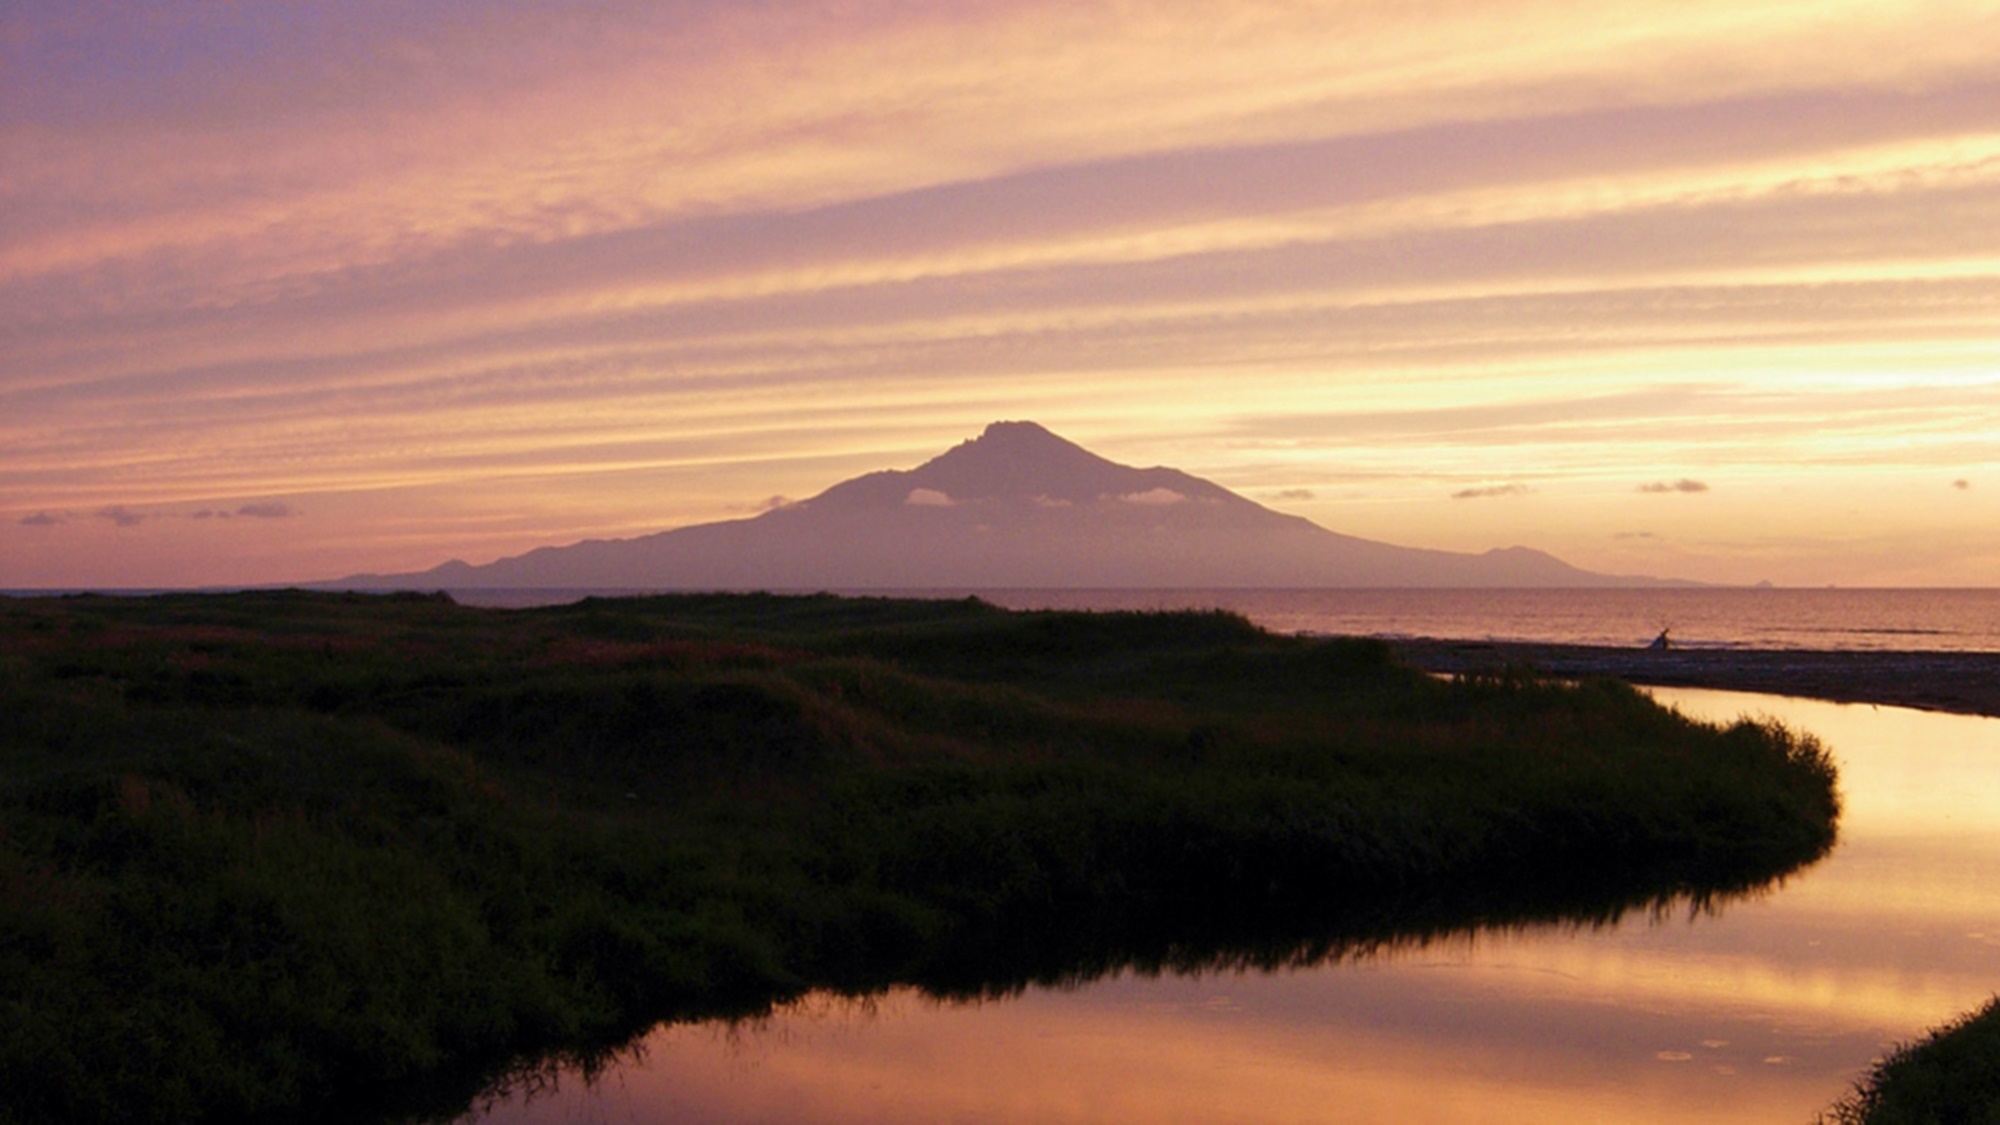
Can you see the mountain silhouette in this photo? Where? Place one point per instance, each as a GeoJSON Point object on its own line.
{"type": "Point", "coordinates": [1016, 507]}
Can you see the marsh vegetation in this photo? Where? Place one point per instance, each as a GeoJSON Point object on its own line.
{"type": "Point", "coordinates": [1948, 1076]}
{"type": "Point", "coordinates": [285, 853]}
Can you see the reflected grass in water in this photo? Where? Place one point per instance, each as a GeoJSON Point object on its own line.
{"type": "Point", "coordinates": [568, 1087]}
{"type": "Point", "coordinates": [1951, 1075]}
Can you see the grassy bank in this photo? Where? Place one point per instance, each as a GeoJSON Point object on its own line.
{"type": "Point", "coordinates": [1950, 1077]}
{"type": "Point", "coordinates": [284, 853]}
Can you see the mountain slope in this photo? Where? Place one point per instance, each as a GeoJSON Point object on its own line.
{"type": "Point", "coordinates": [1015, 507]}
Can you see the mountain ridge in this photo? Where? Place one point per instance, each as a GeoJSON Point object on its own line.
{"type": "Point", "coordinates": [1016, 507]}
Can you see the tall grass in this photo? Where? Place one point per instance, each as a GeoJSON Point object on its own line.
{"type": "Point", "coordinates": [281, 854]}
{"type": "Point", "coordinates": [1949, 1077]}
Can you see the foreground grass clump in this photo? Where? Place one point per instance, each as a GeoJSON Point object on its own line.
{"type": "Point", "coordinates": [1950, 1077]}
{"type": "Point", "coordinates": [285, 854]}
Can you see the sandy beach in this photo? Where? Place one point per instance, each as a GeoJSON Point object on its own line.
{"type": "Point", "coordinates": [1960, 682]}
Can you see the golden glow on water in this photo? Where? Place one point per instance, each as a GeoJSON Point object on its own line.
{"type": "Point", "coordinates": [1763, 1012]}
{"type": "Point", "coordinates": [1904, 773]}
{"type": "Point", "coordinates": [1189, 1058]}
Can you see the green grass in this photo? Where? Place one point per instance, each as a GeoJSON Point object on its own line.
{"type": "Point", "coordinates": [1950, 1077]}
{"type": "Point", "coordinates": [284, 854]}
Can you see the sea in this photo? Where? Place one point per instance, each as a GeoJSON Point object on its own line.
{"type": "Point", "coordinates": [1834, 619]}
{"type": "Point", "coordinates": [1706, 617]}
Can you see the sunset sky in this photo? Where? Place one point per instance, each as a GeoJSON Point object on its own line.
{"type": "Point", "coordinates": [1696, 288]}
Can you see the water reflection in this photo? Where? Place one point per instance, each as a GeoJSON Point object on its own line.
{"type": "Point", "coordinates": [1761, 1011]}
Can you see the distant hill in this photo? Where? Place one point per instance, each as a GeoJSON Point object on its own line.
{"type": "Point", "coordinates": [1015, 507]}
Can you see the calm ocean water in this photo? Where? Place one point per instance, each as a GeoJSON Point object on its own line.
{"type": "Point", "coordinates": [1838, 619]}
{"type": "Point", "coordinates": [1915, 620]}
{"type": "Point", "coordinates": [1912, 620]}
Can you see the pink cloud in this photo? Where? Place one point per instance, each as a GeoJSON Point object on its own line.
{"type": "Point", "coordinates": [1154, 497]}
{"type": "Point", "coordinates": [1491, 491]}
{"type": "Point", "coordinates": [928, 498]}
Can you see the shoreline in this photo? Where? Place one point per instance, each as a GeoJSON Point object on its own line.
{"type": "Point", "coordinates": [1964, 683]}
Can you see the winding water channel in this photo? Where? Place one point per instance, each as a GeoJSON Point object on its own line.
{"type": "Point", "coordinates": [1764, 1010]}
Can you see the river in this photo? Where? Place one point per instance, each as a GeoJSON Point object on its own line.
{"type": "Point", "coordinates": [1763, 1009]}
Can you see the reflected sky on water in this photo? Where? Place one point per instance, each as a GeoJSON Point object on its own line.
{"type": "Point", "coordinates": [1765, 1011]}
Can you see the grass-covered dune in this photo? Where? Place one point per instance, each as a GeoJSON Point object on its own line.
{"type": "Point", "coordinates": [1949, 1077]}
{"type": "Point", "coordinates": [287, 854]}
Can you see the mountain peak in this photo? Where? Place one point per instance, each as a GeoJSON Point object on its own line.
{"type": "Point", "coordinates": [1023, 460]}
{"type": "Point", "coordinates": [1021, 441]}
{"type": "Point", "coordinates": [1019, 433]}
